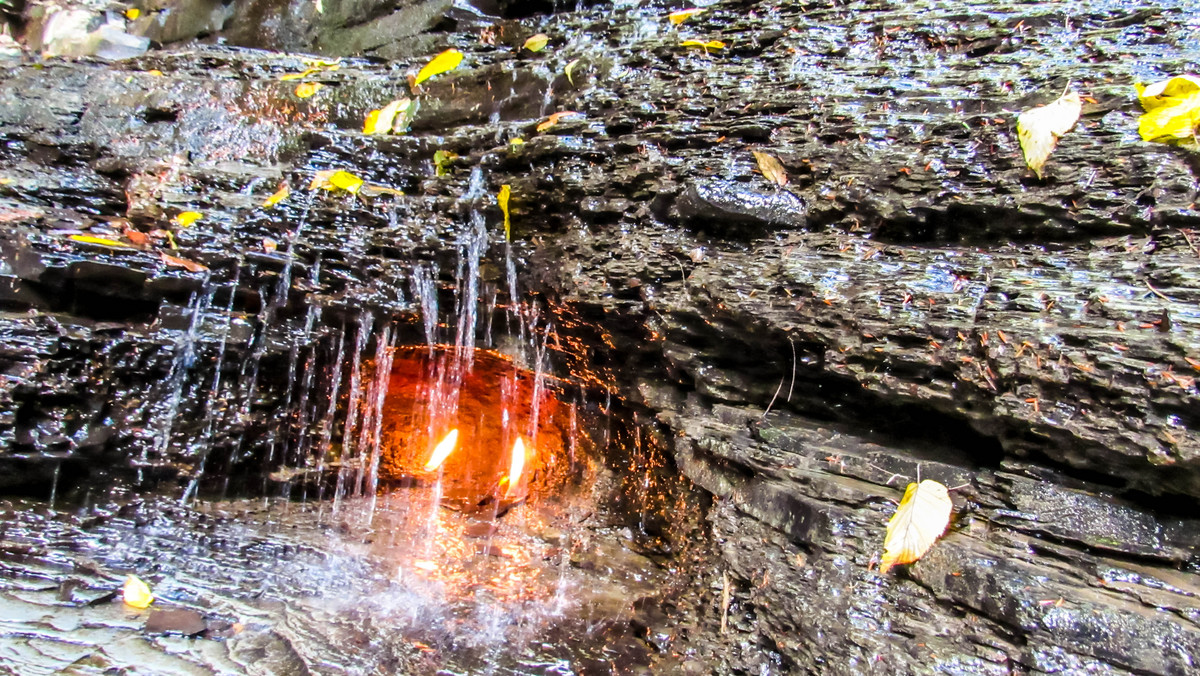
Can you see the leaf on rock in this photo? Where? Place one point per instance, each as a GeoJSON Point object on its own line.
{"type": "Point", "coordinates": [331, 179]}
{"type": "Point", "coordinates": [555, 118]}
{"type": "Point", "coordinates": [920, 519]}
{"type": "Point", "coordinates": [133, 13]}
{"type": "Point", "coordinates": [307, 89]}
{"type": "Point", "coordinates": [186, 218]}
{"type": "Point", "coordinates": [446, 61]}
{"type": "Point", "coordinates": [536, 43]}
{"type": "Point", "coordinates": [287, 77]}
{"type": "Point", "coordinates": [569, 71]}
{"type": "Point", "coordinates": [190, 266]}
{"type": "Point", "coordinates": [442, 160]}
{"type": "Point", "coordinates": [711, 44]}
{"type": "Point", "coordinates": [502, 200]}
{"type": "Point", "coordinates": [395, 116]}
{"type": "Point", "coordinates": [683, 15]}
{"type": "Point", "coordinates": [1172, 110]}
{"type": "Point", "coordinates": [279, 196]}
{"type": "Point", "coordinates": [102, 241]}
{"type": "Point", "coordinates": [771, 168]}
{"type": "Point", "coordinates": [1039, 129]}
{"type": "Point", "coordinates": [135, 593]}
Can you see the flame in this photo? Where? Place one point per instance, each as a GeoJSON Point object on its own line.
{"type": "Point", "coordinates": [442, 451]}
{"type": "Point", "coordinates": [516, 468]}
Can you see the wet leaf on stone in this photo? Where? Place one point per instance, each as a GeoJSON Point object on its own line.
{"type": "Point", "coordinates": [133, 13]}
{"type": "Point", "coordinates": [1172, 110]}
{"type": "Point", "coordinates": [555, 118]}
{"type": "Point", "coordinates": [683, 15]}
{"type": "Point", "coordinates": [185, 218]}
{"type": "Point", "coordinates": [1040, 128]}
{"type": "Point", "coordinates": [502, 200]}
{"type": "Point", "coordinates": [711, 44]}
{"type": "Point", "coordinates": [103, 241]}
{"type": "Point", "coordinates": [190, 266]}
{"type": "Point", "coordinates": [314, 66]}
{"type": "Point", "coordinates": [771, 168]}
{"type": "Point", "coordinates": [395, 116]}
{"type": "Point", "coordinates": [279, 196]}
{"type": "Point", "coordinates": [569, 70]}
{"type": "Point", "coordinates": [307, 89]}
{"type": "Point", "coordinates": [446, 61]}
{"type": "Point", "coordinates": [336, 179]}
{"type": "Point", "coordinates": [536, 43]}
{"type": "Point", "coordinates": [442, 160]}
{"type": "Point", "coordinates": [136, 593]}
{"type": "Point", "coordinates": [920, 519]}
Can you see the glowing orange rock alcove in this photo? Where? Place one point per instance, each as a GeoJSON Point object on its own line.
{"type": "Point", "coordinates": [473, 426]}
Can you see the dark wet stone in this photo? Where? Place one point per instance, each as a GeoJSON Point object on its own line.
{"type": "Point", "coordinates": [175, 621]}
{"type": "Point", "coordinates": [732, 209]}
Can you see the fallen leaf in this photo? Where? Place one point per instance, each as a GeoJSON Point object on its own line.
{"type": "Point", "coordinates": [375, 190]}
{"type": "Point", "coordinates": [269, 245]}
{"type": "Point", "coordinates": [102, 241]}
{"type": "Point", "coordinates": [395, 116]}
{"type": "Point", "coordinates": [307, 89]}
{"type": "Point", "coordinates": [336, 179]}
{"type": "Point", "coordinates": [516, 142]}
{"type": "Point", "coordinates": [137, 237]}
{"type": "Point", "coordinates": [279, 196]}
{"type": "Point", "coordinates": [286, 77]}
{"type": "Point", "coordinates": [1040, 128]}
{"type": "Point", "coordinates": [771, 168]}
{"type": "Point", "coordinates": [502, 200]}
{"type": "Point", "coordinates": [1172, 110]}
{"type": "Point", "coordinates": [133, 13]}
{"type": "Point", "coordinates": [190, 266]}
{"type": "Point", "coordinates": [683, 15]}
{"type": "Point", "coordinates": [442, 160]}
{"type": "Point", "coordinates": [155, 72]}
{"type": "Point", "coordinates": [711, 44]}
{"type": "Point", "coordinates": [536, 43]}
{"type": "Point", "coordinates": [135, 593]}
{"type": "Point", "coordinates": [446, 61]}
{"type": "Point", "coordinates": [569, 70]}
{"type": "Point", "coordinates": [920, 519]}
{"type": "Point", "coordinates": [554, 119]}
{"type": "Point", "coordinates": [315, 62]}
{"type": "Point", "coordinates": [186, 218]}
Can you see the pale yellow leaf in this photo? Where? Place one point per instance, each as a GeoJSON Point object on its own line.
{"type": "Point", "coordinates": [395, 116]}
{"type": "Point", "coordinates": [135, 593]}
{"type": "Point", "coordinates": [336, 179]}
{"type": "Point", "coordinates": [103, 241]}
{"type": "Point", "coordinates": [502, 200]}
{"type": "Point", "coordinates": [536, 43]}
{"type": "Point", "coordinates": [920, 519]}
{"type": "Point", "coordinates": [711, 44]}
{"type": "Point", "coordinates": [299, 76]}
{"type": "Point", "coordinates": [771, 168]}
{"type": "Point", "coordinates": [446, 61]}
{"type": "Point", "coordinates": [279, 196]}
{"type": "Point", "coordinates": [1040, 128]}
{"type": "Point", "coordinates": [307, 89]}
{"type": "Point", "coordinates": [570, 69]}
{"type": "Point", "coordinates": [1172, 110]}
{"type": "Point", "coordinates": [683, 15]}
{"type": "Point", "coordinates": [133, 13]}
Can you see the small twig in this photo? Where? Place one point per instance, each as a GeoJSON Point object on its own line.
{"type": "Point", "coordinates": [1157, 292]}
{"type": "Point", "coordinates": [793, 385]}
{"type": "Point", "coordinates": [1187, 237]}
{"type": "Point", "coordinates": [724, 601]}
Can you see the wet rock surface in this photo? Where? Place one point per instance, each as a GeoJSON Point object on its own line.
{"type": "Point", "coordinates": [914, 302]}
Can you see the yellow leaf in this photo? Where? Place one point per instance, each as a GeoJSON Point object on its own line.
{"type": "Point", "coordinates": [299, 76]}
{"type": "Point", "coordinates": [155, 72]}
{"type": "Point", "coordinates": [683, 15]}
{"type": "Point", "coordinates": [920, 519]}
{"type": "Point", "coordinates": [331, 179]}
{"type": "Point", "coordinates": [133, 13]}
{"type": "Point", "coordinates": [711, 44]}
{"type": "Point", "coordinates": [279, 196]}
{"type": "Point", "coordinates": [103, 241]}
{"type": "Point", "coordinates": [1040, 128]}
{"type": "Point", "coordinates": [394, 116]}
{"type": "Point", "coordinates": [1172, 110]}
{"type": "Point", "coordinates": [502, 200]}
{"type": "Point", "coordinates": [553, 119]}
{"type": "Point", "coordinates": [569, 70]}
{"type": "Point", "coordinates": [135, 593]}
{"type": "Point", "coordinates": [447, 60]}
{"type": "Point", "coordinates": [518, 141]}
{"type": "Point", "coordinates": [771, 168]}
{"type": "Point", "coordinates": [312, 62]}
{"type": "Point", "coordinates": [536, 43]}
{"type": "Point", "coordinates": [186, 218]}
{"type": "Point", "coordinates": [307, 89]}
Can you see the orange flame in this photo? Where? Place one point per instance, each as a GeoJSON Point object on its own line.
{"type": "Point", "coordinates": [516, 467]}
{"type": "Point", "coordinates": [442, 451]}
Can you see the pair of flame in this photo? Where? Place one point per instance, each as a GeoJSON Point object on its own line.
{"type": "Point", "coordinates": [446, 446]}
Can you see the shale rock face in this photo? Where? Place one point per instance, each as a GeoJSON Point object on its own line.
{"type": "Point", "coordinates": [913, 303]}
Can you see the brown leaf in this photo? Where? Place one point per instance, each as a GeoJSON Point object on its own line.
{"type": "Point", "coordinates": [190, 266]}
{"type": "Point", "coordinates": [771, 168]}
